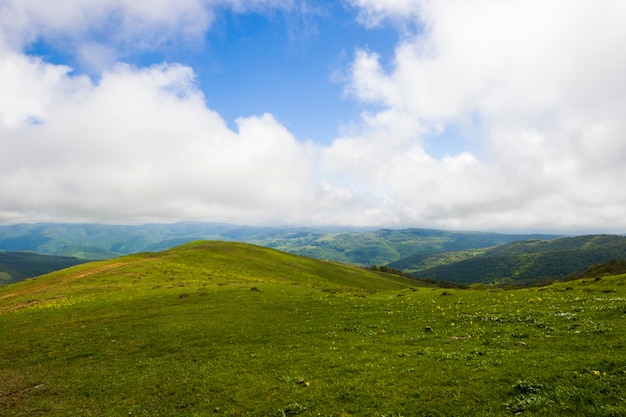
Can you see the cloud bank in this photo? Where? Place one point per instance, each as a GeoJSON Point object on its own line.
{"type": "Point", "coordinates": [532, 94]}
{"type": "Point", "coordinates": [536, 90]}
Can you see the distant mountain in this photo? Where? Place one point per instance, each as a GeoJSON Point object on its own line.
{"type": "Point", "coordinates": [387, 246]}
{"type": "Point", "coordinates": [357, 247]}
{"type": "Point", "coordinates": [16, 266]}
{"type": "Point", "coordinates": [98, 241]}
{"type": "Point", "coordinates": [532, 261]}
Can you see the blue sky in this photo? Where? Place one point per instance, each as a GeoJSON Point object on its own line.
{"type": "Point", "coordinates": [284, 62]}
{"type": "Point", "coordinates": [288, 65]}
{"type": "Point", "coordinates": [381, 113]}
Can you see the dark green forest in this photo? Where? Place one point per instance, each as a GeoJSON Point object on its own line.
{"type": "Point", "coordinates": [531, 261]}
{"type": "Point", "coordinates": [16, 266]}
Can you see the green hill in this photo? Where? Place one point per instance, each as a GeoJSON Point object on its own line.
{"type": "Point", "coordinates": [210, 263]}
{"type": "Point", "coordinates": [532, 261]}
{"type": "Point", "coordinates": [215, 328]}
{"type": "Point", "coordinates": [15, 266]}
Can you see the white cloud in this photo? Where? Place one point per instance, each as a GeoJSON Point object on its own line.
{"type": "Point", "coordinates": [120, 26]}
{"type": "Point", "coordinates": [141, 144]}
{"type": "Point", "coordinates": [535, 88]}
{"type": "Point", "coordinates": [373, 12]}
{"type": "Point", "coordinates": [540, 86]}
{"type": "Point", "coordinates": [26, 20]}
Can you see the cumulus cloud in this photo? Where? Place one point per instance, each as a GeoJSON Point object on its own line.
{"type": "Point", "coordinates": [539, 86]}
{"type": "Point", "coordinates": [141, 144]}
{"type": "Point", "coordinates": [535, 90]}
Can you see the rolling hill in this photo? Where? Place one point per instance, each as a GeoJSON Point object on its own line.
{"type": "Point", "coordinates": [206, 264]}
{"type": "Point", "coordinates": [219, 328]}
{"type": "Point", "coordinates": [530, 261]}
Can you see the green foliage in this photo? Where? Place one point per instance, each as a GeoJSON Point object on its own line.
{"type": "Point", "coordinates": [613, 267]}
{"type": "Point", "coordinates": [183, 333]}
{"type": "Point", "coordinates": [421, 261]}
{"type": "Point", "coordinates": [528, 398]}
{"type": "Point", "coordinates": [291, 410]}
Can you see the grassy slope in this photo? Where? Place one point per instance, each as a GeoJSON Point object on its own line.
{"type": "Point", "coordinates": [182, 333]}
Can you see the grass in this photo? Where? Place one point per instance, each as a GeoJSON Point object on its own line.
{"type": "Point", "coordinates": [231, 329]}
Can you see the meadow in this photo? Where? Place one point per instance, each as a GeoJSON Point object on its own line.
{"type": "Point", "coordinates": [214, 328]}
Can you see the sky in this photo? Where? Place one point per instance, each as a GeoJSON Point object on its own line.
{"type": "Point", "coordinates": [504, 115]}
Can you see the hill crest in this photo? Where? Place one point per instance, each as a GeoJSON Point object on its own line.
{"type": "Point", "coordinates": [200, 266]}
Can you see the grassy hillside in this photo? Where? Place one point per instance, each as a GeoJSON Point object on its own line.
{"type": "Point", "coordinates": [532, 261]}
{"type": "Point", "coordinates": [15, 266]}
{"type": "Point", "coordinates": [229, 329]}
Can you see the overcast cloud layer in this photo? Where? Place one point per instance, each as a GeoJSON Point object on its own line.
{"type": "Point", "coordinates": [531, 93]}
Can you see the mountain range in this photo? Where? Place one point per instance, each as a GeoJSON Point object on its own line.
{"type": "Point", "coordinates": [458, 257]}
{"type": "Point", "coordinates": [354, 246]}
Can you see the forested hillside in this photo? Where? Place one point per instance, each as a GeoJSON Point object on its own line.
{"type": "Point", "coordinates": [532, 261]}
{"type": "Point", "coordinates": [16, 266]}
